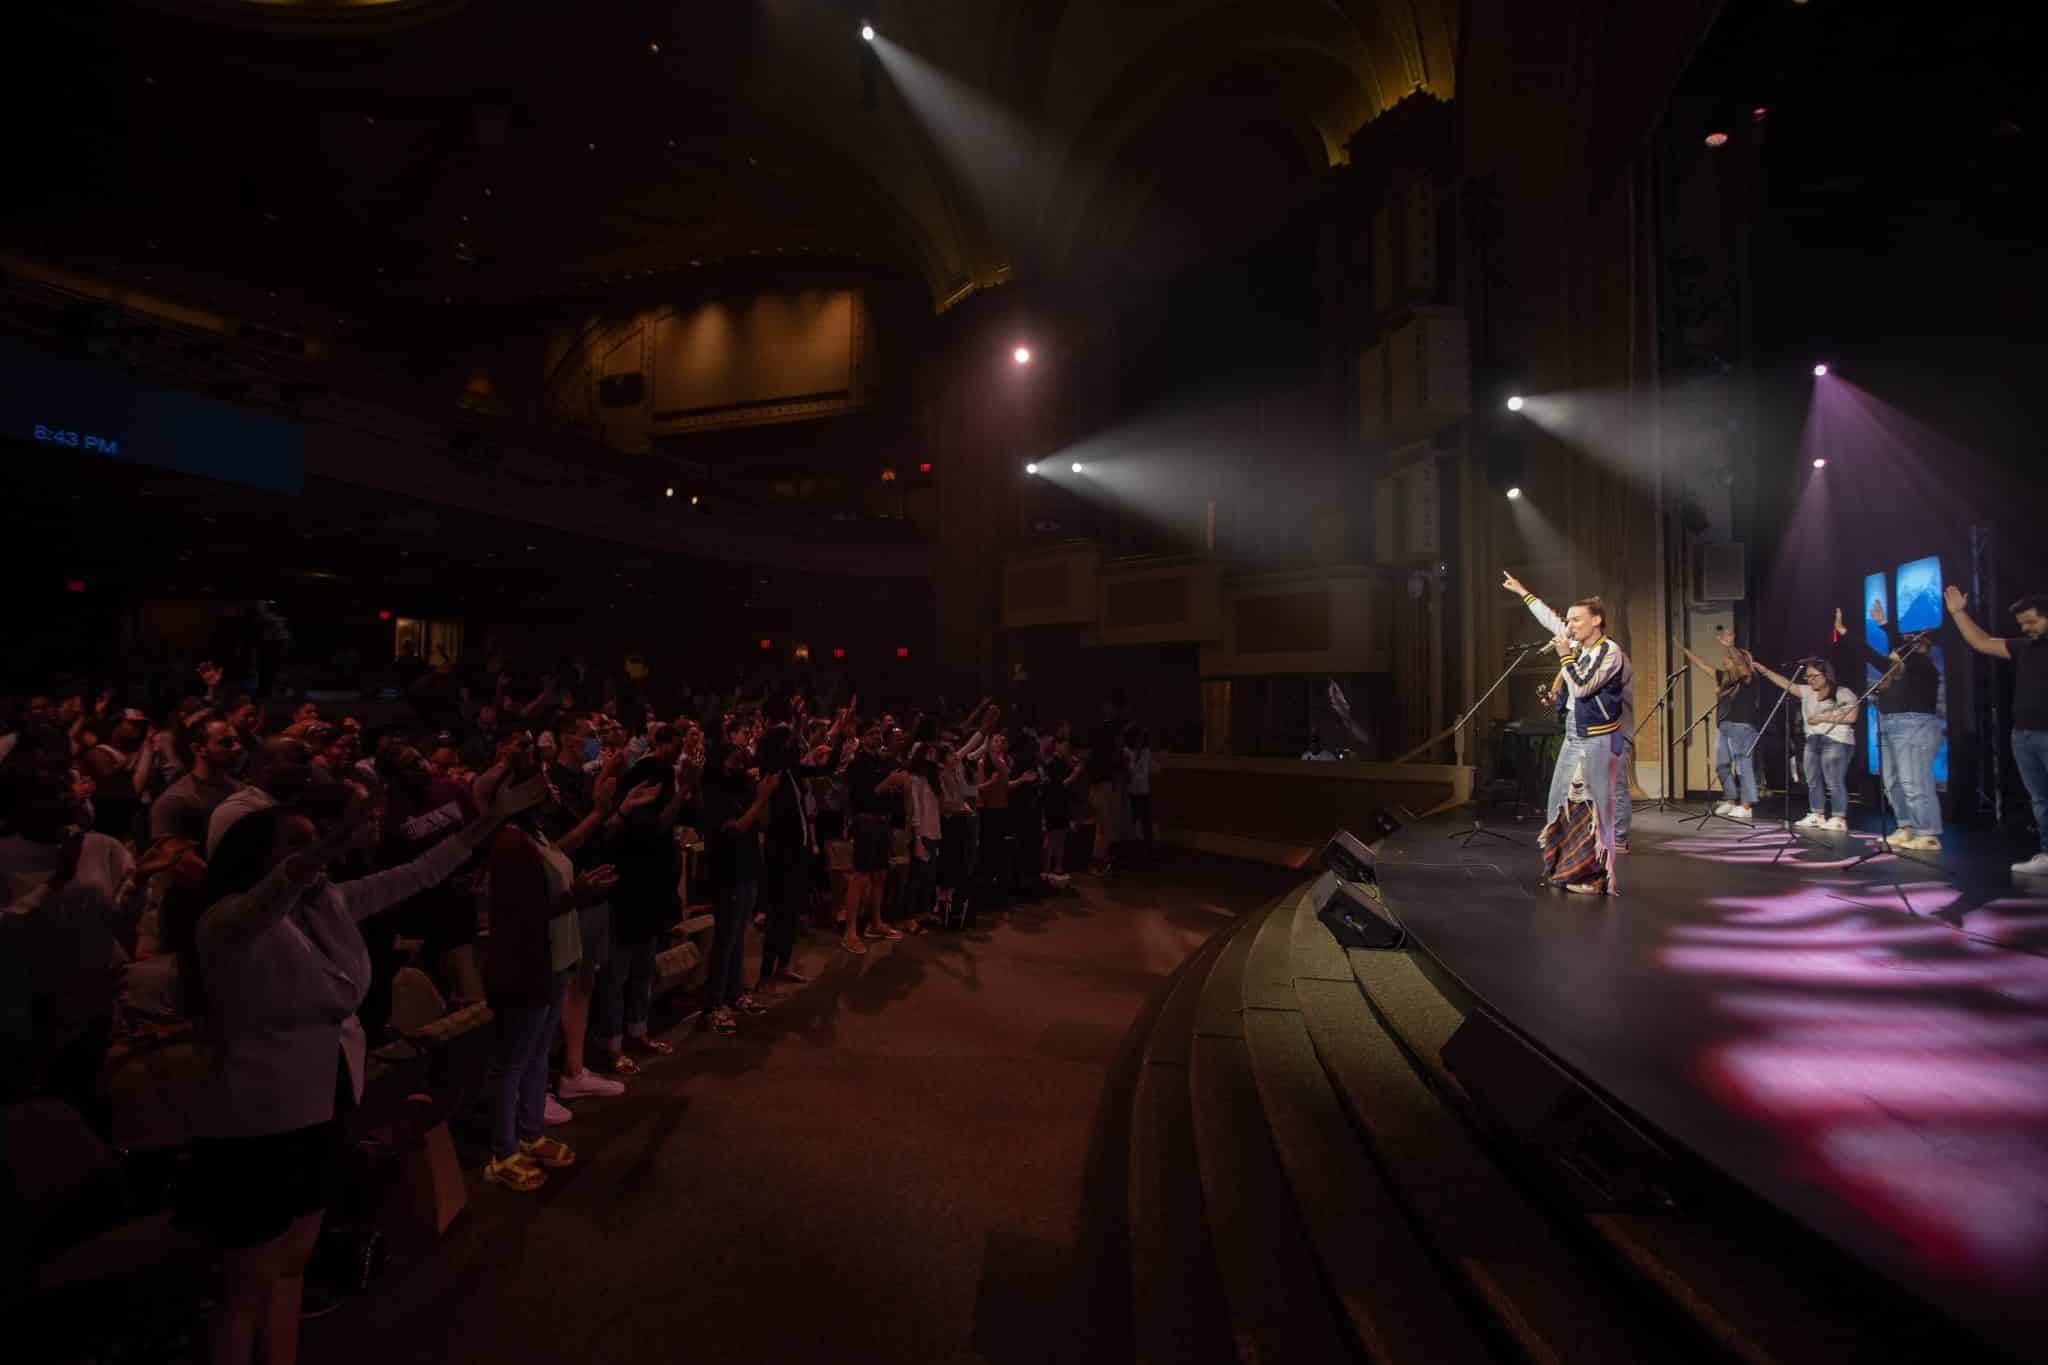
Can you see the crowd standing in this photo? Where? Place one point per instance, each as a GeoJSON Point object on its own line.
{"type": "Point", "coordinates": [254, 878]}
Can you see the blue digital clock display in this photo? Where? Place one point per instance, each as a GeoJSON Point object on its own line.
{"type": "Point", "coordinates": [77, 440]}
{"type": "Point", "coordinates": [88, 410]}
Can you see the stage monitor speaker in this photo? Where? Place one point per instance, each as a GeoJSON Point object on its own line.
{"type": "Point", "coordinates": [1353, 914]}
{"type": "Point", "coordinates": [1608, 1163]}
{"type": "Point", "coordinates": [1718, 572]}
{"type": "Point", "coordinates": [1348, 857]}
{"type": "Point", "coordinates": [622, 390]}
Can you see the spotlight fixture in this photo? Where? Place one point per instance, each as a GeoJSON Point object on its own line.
{"type": "Point", "coordinates": [1514, 494]}
{"type": "Point", "coordinates": [1820, 372]}
{"type": "Point", "coordinates": [1717, 139]}
{"type": "Point", "coordinates": [693, 499]}
{"type": "Point", "coordinates": [867, 33]}
{"type": "Point", "coordinates": [1514, 402]}
{"type": "Point", "coordinates": [1022, 355]}
{"type": "Point", "coordinates": [1820, 462]}
{"type": "Point", "coordinates": [670, 492]}
{"type": "Point", "coordinates": [1031, 468]}
{"type": "Point", "coordinates": [1077, 466]}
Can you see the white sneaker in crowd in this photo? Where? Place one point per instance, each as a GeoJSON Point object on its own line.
{"type": "Point", "coordinates": [1903, 833]}
{"type": "Point", "coordinates": [556, 1112]}
{"type": "Point", "coordinates": [1811, 820]}
{"type": "Point", "coordinates": [1723, 807]}
{"type": "Point", "coordinates": [1836, 824]}
{"type": "Point", "coordinates": [1737, 811]}
{"type": "Point", "coordinates": [1918, 843]}
{"type": "Point", "coordinates": [586, 1083]}
{"type": "Point", "coordinates": [2036, 866]}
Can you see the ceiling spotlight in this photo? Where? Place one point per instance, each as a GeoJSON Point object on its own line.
{"type": "Point", "coordinates": [1077, 466]}
{"type": "Point", "coordinates": [867, 33]}
{"type": "Point", "coordinates": [668, 492]}
{"type": "Point", "coordinates": [1513, 494]}
{"type": "Point", "coordinates": [1820, 372]}
{"type": "Point", "coordinates": [1717, 139]}
{"type": "Point", "coordinates": [1031, 468]}
{"type": "Point", "coordinates": [1820, 462]}
{"type": "Point", "coordinates": [693, 499]}
{"type": "Point", "coordinates": [1514, 402]}
{"type": "Point", "coordinates": [1022, 355]}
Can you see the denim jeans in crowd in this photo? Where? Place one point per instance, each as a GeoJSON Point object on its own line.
{"type": "Point", "coordinates": [1907, 743]}
{"type": "Point", "coordinates": [1827, 775]}
{"type": "Point", "coordinates": [2030, 752]}
{"type": "Point", "coordinates": [625, 991]}
{"type": "Point", "coordinates": [1735, 761]}
{"type": "Point", "coordinates": [726, 980]}
{"type": "Point", "coordinates": [516, 1083]}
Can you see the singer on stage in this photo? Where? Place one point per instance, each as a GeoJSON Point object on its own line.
{"type": "Point", "coordinates": [1595, 677]}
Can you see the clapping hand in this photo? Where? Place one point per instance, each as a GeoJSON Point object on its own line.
{"type": "Point", "coordinates": [593, 886]}
{"type": "Point", "coordinates": [509, 800]}
{"type": "Point", "coordinates": [1876, 612]}
{"type": "Point", "coordinates": [646, 793]}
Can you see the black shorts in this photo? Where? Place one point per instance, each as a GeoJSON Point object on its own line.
{"type": "Point", "coordinates": [247, 1190]}
{"type": "Point", "coordinates": [873, 841]}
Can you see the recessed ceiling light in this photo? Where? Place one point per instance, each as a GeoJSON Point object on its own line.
{"type": "Point", "coordinates": [654, 47]}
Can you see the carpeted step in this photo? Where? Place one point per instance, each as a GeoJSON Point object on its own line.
{"type": "Point", "coordinates": [1280, 1308]}
{"type": "Point", "coordinates": [1536, 1288]}
{"type": "Point", "coordinates": [1177, 1314]}
{"type": "Point", "coordinates": [1386, 1281]}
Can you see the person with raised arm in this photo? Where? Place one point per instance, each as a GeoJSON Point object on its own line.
{"type": "Point", "coordinates": [1736, 710]}
{"type": "Point", "coordinates": [2029, 654]}
{"type": "Point", "coordinates": [1594, 676]}
{"type": "Point", "coordinates": [1829, 710]}
{"type": "Point", "coordinates": [1908, 727]}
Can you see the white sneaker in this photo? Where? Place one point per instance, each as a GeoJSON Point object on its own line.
{"type": "Point", "coordinates": [587, 1083]}
{"type": "Point", "coordinates": [1723, 807]}
{"type": "Point", "coordinates": [1811, 820]}
{"type": "Point", "coordinates": [1738, 811]}
{"type": "Point", "coordinates": [2036, 866]}
{"type": "Point", "coordinates": [556, 1112]}
{"type": "Point", "coordinates": [1836, 824]}
{"type": "Point", "coordinates": [1903, 833]}
{"type": "Point", "coordinates": [1918, 843]}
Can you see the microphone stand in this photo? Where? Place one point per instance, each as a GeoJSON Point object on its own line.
{"type": "Point", "coordinates": [1465, 837]}
{"type": "Point", "coordinates": [1708, 813]}
{"type": "Point", "coordinates": [1664, 801]}
{"type": "Point", "coordinates": [1785, 816]}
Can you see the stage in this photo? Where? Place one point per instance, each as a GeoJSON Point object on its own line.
{"type": "Point", "coordinates": [1864, 1048]}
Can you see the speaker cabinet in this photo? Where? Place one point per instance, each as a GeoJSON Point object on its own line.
{"type": "Point", "coordinates": [1354, 915]}
{"type": "Point", "coordinates": [622, 390]}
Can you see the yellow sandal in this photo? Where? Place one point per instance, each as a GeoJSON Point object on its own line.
{"type": "Point", "coordinates": [516, 1172]}
{"type": "Point", "coordinates": [550, 1152]}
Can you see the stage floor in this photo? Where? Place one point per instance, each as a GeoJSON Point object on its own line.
{"type": "Point", "coordinates": [1863, 1047]}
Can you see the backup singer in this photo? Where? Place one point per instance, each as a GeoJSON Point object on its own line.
{"type": "Point", "coordinates": [2029, 653]}
{"type": "Point", "coordinates": [1735, 717]}
{"type": "Point", "coordinates": [1595, 675]}
{"type": "Point", "coordinates": [1908, 729]}
{"type": "Point", "coordinates": [1830, 712]}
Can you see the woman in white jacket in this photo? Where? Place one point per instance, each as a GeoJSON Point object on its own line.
{"type": "Point", "coordinates": [275, 973]}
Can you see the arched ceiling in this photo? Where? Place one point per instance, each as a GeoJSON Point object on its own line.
{"type": "Point", "coordinates": [364, 155]}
